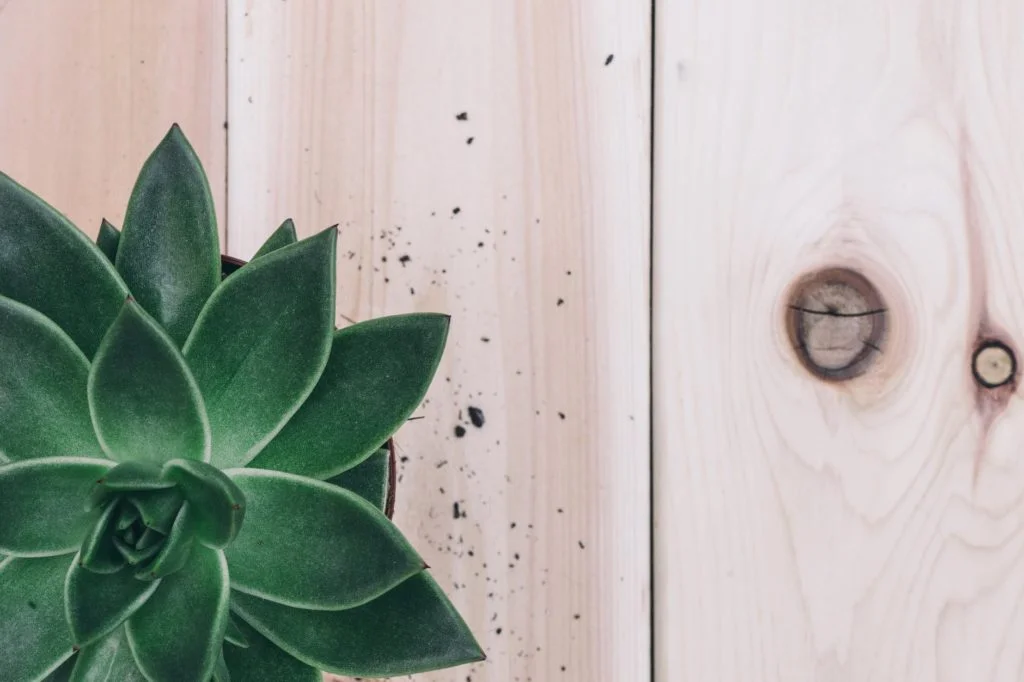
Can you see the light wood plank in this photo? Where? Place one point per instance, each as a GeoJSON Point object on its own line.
{"type": "Point", "coordinates": [88, 89]}
{"type": "Point", "coordinates": [869, 529]}
{"type": "Point", "coordinates": [535, 238]}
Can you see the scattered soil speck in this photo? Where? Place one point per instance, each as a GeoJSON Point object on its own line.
{"type": "Point", "coordinates": [476, 415]}
{"type": "Point", "coordinates": [460, 431]}
{"type": "Point", "coordinates": [582, 546]}
{"type": "Point", "coordinates": [561, 301]}
{"type": "Point", "coordinates": [608, 59]}
{"type": "Point", "coordinates": [469, 140]}
{"type": "Point", "coordinates": [464, 116]}
{"type": "Point", "coordinates": [561, 415]}
{"type": "Point", "coordinates": [456, 211]}
{"type": "Point", "coordinates": [404, 259]}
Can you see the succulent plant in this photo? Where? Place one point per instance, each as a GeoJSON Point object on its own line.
{"type": "Point", "coordinates": [192, 457]}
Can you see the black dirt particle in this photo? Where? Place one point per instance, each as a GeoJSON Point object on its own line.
{"type": "Point", "coordinates": [457, 513]}
{"type": "Point", "coordinates": [561, 415]}
{"type": "Point", "coordinates": [608, 59]}
{"type": "Point", "coordinates": [561, 301]}
{"type": "Point", "coordinates": [404, 259]}
{"type": "Point", "coordinates": [464, 116]}
{"type": "Point", "coordinates": [476, 415]}
{"type": "Point", "coordinates": [460, 431]}
{"type": "Point", "coordinates": [485, 339]}
{"type": "Point", "coordinates": [582, 546]}
{"type": "Point", "coordinates": [456, 211]}
{"type": "Point", "coordinates": [469, 140]}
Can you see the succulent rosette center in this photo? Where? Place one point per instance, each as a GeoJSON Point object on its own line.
{"type": "Point", "coordinates": [152, 516]}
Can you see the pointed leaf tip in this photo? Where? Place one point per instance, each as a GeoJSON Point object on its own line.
{"type": "Point", "coordinates": [169, 251]}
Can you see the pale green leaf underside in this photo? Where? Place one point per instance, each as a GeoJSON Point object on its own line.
{"type": "Point", "coordinates": [145, 404]}
{"type": "Point", "coordinates": [412, 628]}
{"type": "Point", "coordinates": [43, 374]}
{"type": "Point", "coordinates": [350, 552]}
{"type": "Point", "coordinates": [377, 375]}
{"type": "Point", "coordinates": [261, 342]}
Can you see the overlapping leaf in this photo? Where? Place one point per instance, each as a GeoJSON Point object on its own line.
{"type": "Point", "coordinates": [34, 637]}
{"type": "Point", "coordinates": [377, 375]}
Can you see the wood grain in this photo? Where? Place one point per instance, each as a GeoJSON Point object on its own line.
{"type": "Point", "coordinates": [837, 531]}
{"type": "Point", "coordinates": [88, 88]}
{"type": "Point", "coordinates": [527, 220]}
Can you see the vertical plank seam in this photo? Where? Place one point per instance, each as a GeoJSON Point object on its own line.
{"type": "Point", "coordinates": [227, 126]}
{"type": "Point", "coordinates": [652, 169]}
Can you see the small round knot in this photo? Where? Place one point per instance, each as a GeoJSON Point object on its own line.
{"type": "Point", "coordinates": [993, 364]}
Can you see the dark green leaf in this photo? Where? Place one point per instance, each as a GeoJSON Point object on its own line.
{"type": "Point", "coordinates": [282, 236]}
{"type": "Point", "coordinates": [178, 634]}
{"type": "Point", "coordinates": [169, 252]}
{"type": "Point", "coordinates": [158, 508]}
{"type": "Point", "coordinates": [43, 376]}
{"type": "Point", "coordinates": [35, 637]}
{"type": "Point", "coordinates": [377, 375]}
{"type": "Point", "coordinates": [176, 551]}
{"type": "Point", "coordinates": [98, 553]}
{"type": "Point", "coordinates": [410, 629]}
{"type": "Point", "coordinates": [216, 502]}
{"type": "Point", "coordinates": [63, 673]}
{"type": "Point", "coordinates": [49, 265]}
{"type": "Point", "coordinates": [97, 603]}
{"type": "Point", "coordinates": [263, 661]}
{"type": "Point", "coordinates": [108, 660]}
{"type": "Point", "coordinates": [369, 479]}
{"type": "Point", "coordinates": [42, 504]}
{"type": "Point", "coordinates": [234, 634]}
{"type": "Point", "coordinates": [261, 342]}
{"type": "Point", "coordinates": [150, 538]}
{"type": "Point", "coordinates": [107, 240]}
{"type": "Point", "coordinates": [145, 404]}
{"type": "Point", "coordinates": [350, 552]}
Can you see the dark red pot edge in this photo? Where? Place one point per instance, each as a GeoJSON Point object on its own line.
{"type": "Point", "coordinates": [229, 265]}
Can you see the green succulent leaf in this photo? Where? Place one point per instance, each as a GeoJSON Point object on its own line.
{"type": "Point", "coordinates": [98, 553]}
{"type": "Point", "coordinates": [108, 660]}
{"type": "Point", "coordinates": [176, 550]}
{"type": "Point", "coordinates": [378, 373]}
{"type": "Point", "coordinates": [49, 265]}
{"type": "Point", "coordinates": [169, 251]}
{"type": "Point", "coordinates": [43, 376]}
{"type": "Point", "coordinates": [145, 405]}
{"type": "Point", "coordinates": [282, 236]}
{"type": "Point", "coordinates": [261, 342]}
{"type": "Point", "coordinates": [41, 504]}
{"type": "Point", "coordinates": [127, 515]}
{"type": "Point", "coordinates": [412, 628]}
{"type": "Point", "coordinates": [368, 479]}
{"type": "Point", "coordinates": [97, 603]}
{"type": "Point", "coordinates": [263, 661]}
{"type": "Point", "coordinates": [179, 632]}
{"type": "Point", "coordinates": [108, 239]}
{"type": "Point", "coordinates": [351, 553]}
{"type": "Point", "coordinates": [63, 673]}
{"type": "Point", "coordinates": [158, 508]}
{"type": "Point", "coordinates": [234, 634]}
{"type": "Point", "coordinates": [35, 636]}
{"type": "Point", "coordinates": [217, 503]}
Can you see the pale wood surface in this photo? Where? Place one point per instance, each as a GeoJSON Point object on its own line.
{"type": "Point", "coordinates": [862, 531]}
{"type": "Point", "coordinates": [88, 88]}
{"type": "Point", "coordinates": [347, 113]}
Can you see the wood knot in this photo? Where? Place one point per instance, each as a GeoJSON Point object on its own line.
{"type": "Point", "coordinates": [836, 323]}
{"type": "Point", "coordinates": [993, 364]}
